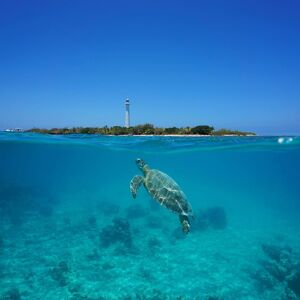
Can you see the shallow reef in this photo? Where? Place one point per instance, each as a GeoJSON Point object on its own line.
{"type": "Point", "coordinates": [280, 267]}
{"type": "Point", "coordinates": [134, 261]}
{"type": "Point", "coordinates": [92, 256]}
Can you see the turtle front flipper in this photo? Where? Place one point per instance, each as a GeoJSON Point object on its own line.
{"type": "Point", "coordinates": [135, 183]}
{"type": "Point", "coordinates": [185, 223]}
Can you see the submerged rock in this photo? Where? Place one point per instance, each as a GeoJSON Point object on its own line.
{"type": "Point", "coordinates": [118, 232]}
{"type": "Point", "coordinates": [276, 252]}
{"type": "Point", "coordinates": [200, 223]}
{"type": "Point", "coordinates": [276, 270]}
{"type": "Point", "coordinates": [12, 294]}
{"type": "Point", "coordinates": [271, 251]}
{"type": "Point", "coordinates": [59, 273]}
{"type": "Point", "coordinates": [263, 279]}
{"type": "Point", "coordinates": [294, 282]}
{"type": "Point", "coordinates": [282, 265]}
{"type": "Point", "coordinates": [216, 217]}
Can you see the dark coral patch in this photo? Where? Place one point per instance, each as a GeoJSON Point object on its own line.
{"type": "Point", "coordinates": [59, 273]}
{"type": "Point", "coordinates": [118, 232]}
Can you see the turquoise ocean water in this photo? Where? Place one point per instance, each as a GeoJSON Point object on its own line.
{"type": "Point", "coordinates": [69, 228]}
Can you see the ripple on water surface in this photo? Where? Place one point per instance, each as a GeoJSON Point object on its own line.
{"type": "Point", "coordinates": [152, 144]}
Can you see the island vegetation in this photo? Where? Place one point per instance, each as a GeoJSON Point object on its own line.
{"type": "Point", "coordinates": [144, 129]}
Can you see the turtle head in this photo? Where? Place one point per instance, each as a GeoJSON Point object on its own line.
{"type": "Point", "coordinates": [141, 164]}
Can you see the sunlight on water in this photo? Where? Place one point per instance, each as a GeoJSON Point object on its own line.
{"type": "Point", "coordinates": [282, 140]}
{"type": "Point", "coordinates": [70, 229]}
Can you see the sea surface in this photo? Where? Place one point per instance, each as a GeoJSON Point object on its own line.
{"type": "Point", "coordinates": [70, 229]}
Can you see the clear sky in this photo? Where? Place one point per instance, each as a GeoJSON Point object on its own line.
{"type": "Point", "coordinates": [233, 64]}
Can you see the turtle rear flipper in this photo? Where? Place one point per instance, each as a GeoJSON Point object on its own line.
{"type": "Point", "coordinates": [185, 223]}
{"type": "Point", "coordinates": [135, 183]}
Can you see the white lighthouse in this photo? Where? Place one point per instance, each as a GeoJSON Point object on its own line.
{"type": "Point", "coordinates": [127, 114]}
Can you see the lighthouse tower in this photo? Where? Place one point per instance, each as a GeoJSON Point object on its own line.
{"type": "Point", "coordinates": [127, 114]}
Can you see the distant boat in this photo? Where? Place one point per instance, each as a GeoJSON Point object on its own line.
{"type": "Point", "coordinates": [13, 130]}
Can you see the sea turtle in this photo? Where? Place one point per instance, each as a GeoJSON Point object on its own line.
{"type": "Point", "coordinates": [163, 189]}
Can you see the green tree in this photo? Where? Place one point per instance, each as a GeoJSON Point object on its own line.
{"type": "Point", "coordinates": [171, 130]}
{"type": "Point", "coordinates": [143, 129]}
{"type": "Point", "coordinates": [202, 129]}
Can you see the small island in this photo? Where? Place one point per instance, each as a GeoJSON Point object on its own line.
{"type": "Point", "coordinates": [145, 129]}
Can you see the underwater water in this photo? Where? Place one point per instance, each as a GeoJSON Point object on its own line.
{"type": "Point", "coordinates": [70, 229]}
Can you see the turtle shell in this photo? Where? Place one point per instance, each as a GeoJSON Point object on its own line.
{"type": "Point", "coordinates": [167, 192]}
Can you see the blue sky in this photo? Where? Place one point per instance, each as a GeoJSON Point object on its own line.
{"type": "Point", "coordinates": [233, 64]}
